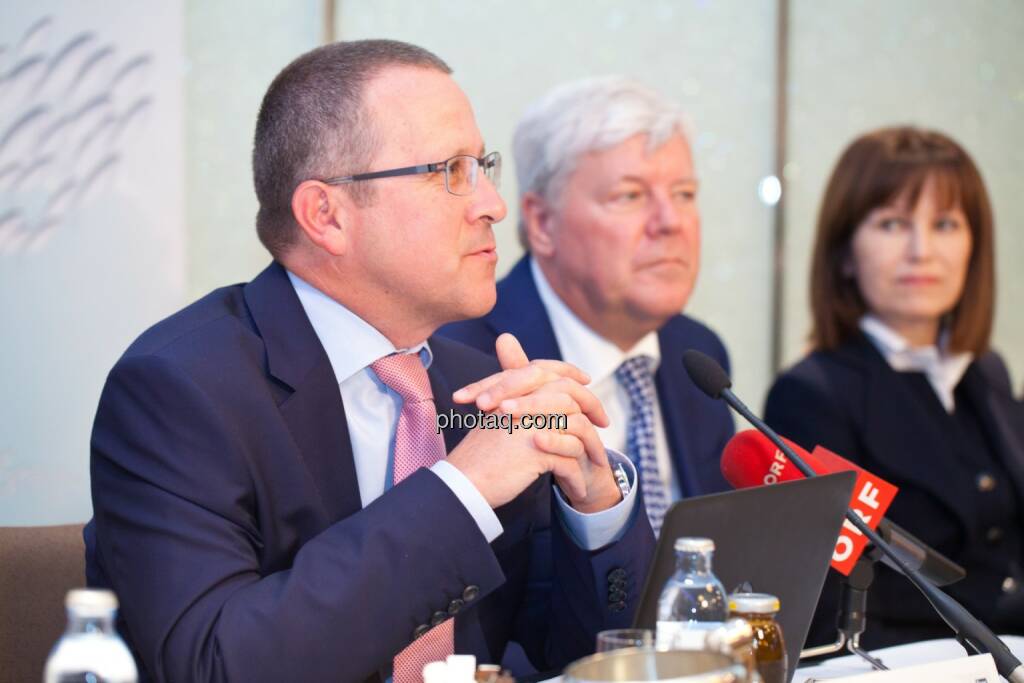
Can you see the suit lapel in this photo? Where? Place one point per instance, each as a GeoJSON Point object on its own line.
{"type": "Point", "coordinates": [444, 404]}
{"type": "Point", "coordinates": [900, 433]}
{"type": "Point", "coordinates": [679, 414]}
{"type": "Point", "coordinates": [520, 311]}
{"type": "Point", "coordinates": [313, 409]}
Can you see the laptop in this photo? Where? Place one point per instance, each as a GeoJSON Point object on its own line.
{"type": "Point", "coordinates": [777, 538]}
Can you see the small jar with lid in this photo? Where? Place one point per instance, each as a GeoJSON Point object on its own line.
{"type": "Point", "coordinates": [759, 609]}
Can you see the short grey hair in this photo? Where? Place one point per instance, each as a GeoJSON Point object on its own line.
{"type": "Point", "coordinates": [585, 116]}
{"type": "Point", "coordinates": [312, 125]}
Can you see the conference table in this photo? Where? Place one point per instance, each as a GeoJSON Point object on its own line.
{"type": "Point", "coordinates": [896, 657]}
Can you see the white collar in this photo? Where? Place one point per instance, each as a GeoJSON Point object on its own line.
{"type": "Point", "coordinates": [944, 370]}
{"type": "Point", "coordinates": [581, 345]}
{"type": "Point", "coordinates": [351, 343]}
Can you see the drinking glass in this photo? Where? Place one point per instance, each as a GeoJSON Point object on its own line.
{"type": "Point", "coordinates": [618, 638]}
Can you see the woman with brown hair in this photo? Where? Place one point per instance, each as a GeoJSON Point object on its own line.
{"type": "Point", "coordinates": [901, 379]}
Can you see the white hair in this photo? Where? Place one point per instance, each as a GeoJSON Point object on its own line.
{"type": "Point", "coordinates": [585, 116]}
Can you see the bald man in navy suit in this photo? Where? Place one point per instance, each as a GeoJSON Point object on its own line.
{"type": "Point", "coordinates": [271, 498]}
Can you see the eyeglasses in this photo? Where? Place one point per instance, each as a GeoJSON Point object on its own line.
{"type": "Point", "coordinates": [460, 172]}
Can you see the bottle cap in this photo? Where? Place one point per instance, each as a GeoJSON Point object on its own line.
{"type": "Point", "coordinates": [461, 668]}
{"type": "Point", "coordinates": [754, 603]}
{"type": "Point", "coordinates": [90, 602]}
{"type": "Point", "coordinates": [692, 544]}
{"type": "Point", "coordinates": [435, 672]}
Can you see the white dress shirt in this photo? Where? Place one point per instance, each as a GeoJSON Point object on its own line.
{"type": "Point", "coordinates": [372, 409]}
{"type": "Point", "coordinates": [943, 369]}
{"type": "Point", "coordinates": [599, 358]}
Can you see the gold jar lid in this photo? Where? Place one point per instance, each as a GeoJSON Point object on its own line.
{"type": "Point", "coordinates": [754, 603]}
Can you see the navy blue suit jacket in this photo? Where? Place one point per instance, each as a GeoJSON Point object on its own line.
{"type": "Point", "coordinates": [227, 516]}
{"type": "Point", "coordinates": [850, 401]}
{"type": "Point", "coordinates": [697, 427]}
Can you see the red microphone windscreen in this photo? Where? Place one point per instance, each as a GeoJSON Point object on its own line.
{"type": "Point", "coordinates": [751, 459]}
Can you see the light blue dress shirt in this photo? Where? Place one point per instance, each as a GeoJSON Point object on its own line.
{"type": "Point", "coordinates": [372, 409]}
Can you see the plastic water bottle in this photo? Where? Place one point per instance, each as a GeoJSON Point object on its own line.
{"type": "Point", "coordinates": [693, 600]}
{"type": "Point", "coordinates": [90, 651]}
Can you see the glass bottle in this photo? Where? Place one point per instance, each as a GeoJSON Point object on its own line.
{"type": "Point", "coordinates": [90, 651]}
{"type": "Point", "coordinates": [693, 599]}
{"type": "Point", "coordinates": [759, 609]}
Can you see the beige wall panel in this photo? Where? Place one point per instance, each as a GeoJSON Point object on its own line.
{"type": "Point", "coordinates": [234, 49]}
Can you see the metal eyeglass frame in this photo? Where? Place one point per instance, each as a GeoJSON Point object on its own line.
{"type": "Point", "coordinates": [490, 163]}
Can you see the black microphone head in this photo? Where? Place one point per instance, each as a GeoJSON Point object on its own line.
{"type": "Point", "coordinates": [706, 373]}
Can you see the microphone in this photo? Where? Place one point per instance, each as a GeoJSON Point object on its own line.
{"type": "Point", "coordinates": [750, 459]}
{"type": "Point", "coordinates": [710, 378]}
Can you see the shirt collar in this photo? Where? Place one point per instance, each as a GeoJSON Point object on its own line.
{"type": "Point", "coordinates": [351, 343]}
{"type": "Point", "coordinates": [943, 369]}
{"type": "Point", "coordinates": [581, 345]}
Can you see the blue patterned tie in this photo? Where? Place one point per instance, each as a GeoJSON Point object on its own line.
{"type": "Point", "coordinates": [636, 376]}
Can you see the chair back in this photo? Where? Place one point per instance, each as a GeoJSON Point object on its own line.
{"type": "Point", "coordinates": [38, 566]}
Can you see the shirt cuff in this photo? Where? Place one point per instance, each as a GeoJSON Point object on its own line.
{"type": "Point", "coordinates": [595, 530]}
{"type": "Point", "coordinates": [469, 496]}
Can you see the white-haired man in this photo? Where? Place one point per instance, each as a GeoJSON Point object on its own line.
{"type": "Point", "coordinates": [609, 220]}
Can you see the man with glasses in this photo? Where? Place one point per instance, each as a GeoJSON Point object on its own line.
{"type": "Point", "coordinates": [610, 224]}
{"type": "Point", "coordinates": [272, 500]}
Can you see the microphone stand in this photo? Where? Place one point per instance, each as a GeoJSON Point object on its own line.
{"type": "Point", "coordinates": [970, 632]}
{"type": "Point", "coordinates": [853, 606]}
{"type": "Point", "coordinates": [852, 618]}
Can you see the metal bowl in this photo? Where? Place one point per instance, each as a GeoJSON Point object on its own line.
{"type": "Point", "coordinates": [635, 665]}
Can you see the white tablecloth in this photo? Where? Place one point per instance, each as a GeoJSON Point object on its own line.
{"type": "Point", "coordinates": [895, 657]}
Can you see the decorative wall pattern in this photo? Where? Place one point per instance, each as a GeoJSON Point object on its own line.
{"type": "Point", "coordinates": [92, 230]}
{"type": "Point", "coordinates": [72, 104]}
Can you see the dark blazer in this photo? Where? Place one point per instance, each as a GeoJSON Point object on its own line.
{"type": "Point", "coordinates": [229, 522]}
{"type": "Point", "coordinates": [697, 428]}
{"type": "Point", "coordinates": [851, 402]}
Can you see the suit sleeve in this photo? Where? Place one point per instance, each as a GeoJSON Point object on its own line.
{"type": "Point", "coordinates": [180, 540]}
{"type": "Point", "coordinates": [585, 591]}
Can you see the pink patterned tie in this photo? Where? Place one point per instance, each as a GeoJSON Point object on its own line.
{"type": "Point", "coordinates": [417, 444]}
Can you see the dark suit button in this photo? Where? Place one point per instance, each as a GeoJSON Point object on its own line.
{"type": "Point", "coordinates": [617, 606]}
{"type": "Point", "coordinates": [469, 595]}
{"type": "Point", "coordinates": [1010, 585]}
{"type": "Point", "coordinates": [455, 605]}
{"type": "Point", "coordinates": [420, 631]}
{"type": "Point", "coordinates": [616, 596]}
{"type": "Point", "coordinates": [617, 574]}
{"type": "Point", "coordinates": [994, 535]}
{"type": "Point", "coordinates": [437, 617]}
{"type": "Point", "coordinates": [986, 482]}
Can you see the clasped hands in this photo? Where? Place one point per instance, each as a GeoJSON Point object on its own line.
{"type": "Point", "coordinates": [501, 464]}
